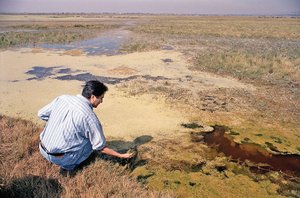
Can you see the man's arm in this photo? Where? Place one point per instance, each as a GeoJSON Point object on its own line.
{"type": "Point", "coordinates": [45, 112]}
{"type": "Point", "coordinates": [112, 152]}
{"type": "Point", "coordinates": [95, 134]}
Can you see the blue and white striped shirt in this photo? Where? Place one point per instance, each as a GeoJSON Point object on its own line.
{"type": "Point", "coordinates": [71, 124]}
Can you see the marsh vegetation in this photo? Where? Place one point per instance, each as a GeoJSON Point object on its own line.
{"type": "Point", "coordinates": [253, 48]}
{"type": "Point", "coordinates": [240, 72]}
{"type": "Point", "coordinates": [262, 51]}
{"type": "Point", "coordinates": [35, 32]}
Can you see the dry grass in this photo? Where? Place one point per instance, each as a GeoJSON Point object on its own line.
{"type": "Point", "coordinates": [246, 65]}
{"type": "Point", "coordinates": [25, 173]}
{"type": "Point", "coordinates": [257, 48]}
{"type": "Point", "coordinates": [245, 47]}
{"type": "Point", "coordinates": [234, 27]}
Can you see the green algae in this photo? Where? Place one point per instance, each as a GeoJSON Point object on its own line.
{"type": "Point", "coordinates": [192, 125]}
{"type": "Point", "coordinates": [233, 133]}
{"type": "Point", "coordinates": [279, 143]}
{"type": "Point", "coordinates": [213, 185]}
{"type": "Point", "coordinates": [218, 176]}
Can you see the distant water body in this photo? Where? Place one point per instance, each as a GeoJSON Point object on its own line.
{"type": "Point", "coordinates": [107, 43]}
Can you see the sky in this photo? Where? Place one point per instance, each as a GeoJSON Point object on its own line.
{"type": "Point", "coordinates": [218, 7]}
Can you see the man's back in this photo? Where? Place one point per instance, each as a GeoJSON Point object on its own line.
{"type": "Point", "coordinates": [67, 127]}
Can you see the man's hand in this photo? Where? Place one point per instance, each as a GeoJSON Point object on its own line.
{"type": "Point", "coordinates": [111, 152]}
{"type": "Point", "coordinates": [126, 155]}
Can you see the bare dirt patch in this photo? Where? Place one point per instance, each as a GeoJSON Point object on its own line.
{"type": "Point", "coordinates": [122, 70]}
{"type": "Point", "coordinates": [73, 52]}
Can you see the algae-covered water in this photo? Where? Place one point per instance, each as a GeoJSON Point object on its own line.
{"type": "Point", "coordinates": [224, 143]}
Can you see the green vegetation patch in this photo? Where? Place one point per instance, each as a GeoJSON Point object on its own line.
{"type": "Point", "coordinates": [246, 140]}
{"type": "Point", "coordinates": [192, 125]}
{"type": "Point", "coordinates": [234, 133]}
{"type": "Point", "coordinates": [271, 147]}
{"type": "Point", "coordinates": [277, 139]}
{"type": "Point", "coordinates": [139, 46]}
{"type": "Point", "coordinates": [143, 178]}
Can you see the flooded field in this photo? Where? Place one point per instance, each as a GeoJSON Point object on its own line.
{"type": "Point", "coordinates": [106, 44]}
{"type": "Point", "coordinates": [172, 80]}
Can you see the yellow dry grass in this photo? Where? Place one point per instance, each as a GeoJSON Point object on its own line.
{"type": "Point", "coordinates": [25, 173]}
{"type": "Point", "coordinates": [224, 26]}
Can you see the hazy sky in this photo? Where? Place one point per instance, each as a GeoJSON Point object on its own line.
{"type": "Point", "coordinates": [261, 7]}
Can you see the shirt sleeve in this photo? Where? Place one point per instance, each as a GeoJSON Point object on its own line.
{"type": "Point", "coordinates": [45, 112]}
{"type": "Point", "coordinates": [95, 134]}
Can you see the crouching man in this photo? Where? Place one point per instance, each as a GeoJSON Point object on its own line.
{"type": "Point", "coordinates": [73, 131]}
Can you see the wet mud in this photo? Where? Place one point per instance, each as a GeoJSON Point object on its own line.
{"type": "Point", "coordinates": [41, 73]}
{"type": "Point", "coordinates": [108, 80]}
{"type": "Point", "coordinates": [88, 76]}
{"type": "Point", "coordinates": [224, 143]}
{"type": "Point", "coordinates": [167, 60]}
{"type": "Point", "coordinates": [127, 147]}
{"type": "Point", "coordinates": [167, 47]}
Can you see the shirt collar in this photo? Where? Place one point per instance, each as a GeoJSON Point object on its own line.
{"type": "Point", "coordinates": [85, 100]}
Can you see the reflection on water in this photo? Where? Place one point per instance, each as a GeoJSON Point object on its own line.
{"type": "Point", "coordinates": [107, 43]}
{"type": "Point", "coordinates": [252, 152]}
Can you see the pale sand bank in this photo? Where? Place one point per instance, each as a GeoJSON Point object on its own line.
{"type": "Point", "coordinates": [121, 115]}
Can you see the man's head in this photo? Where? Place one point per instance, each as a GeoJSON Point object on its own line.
{"type": "Point", "coordinates": [94, 91]}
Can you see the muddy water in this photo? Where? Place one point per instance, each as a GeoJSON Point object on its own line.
{"type": "Point", "coordinates": [107, 43]}
{"type": "Point", "coordinates": [224, 143]}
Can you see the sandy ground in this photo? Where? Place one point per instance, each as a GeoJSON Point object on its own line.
{"type": "Point", "coordinates": [122, 116]}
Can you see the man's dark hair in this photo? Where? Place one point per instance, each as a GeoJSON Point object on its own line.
{"type": "Point", "coordinates": [93, 87]}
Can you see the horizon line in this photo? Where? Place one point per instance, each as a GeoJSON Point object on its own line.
{"type": "Point", "coordinates": [145, 13]}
